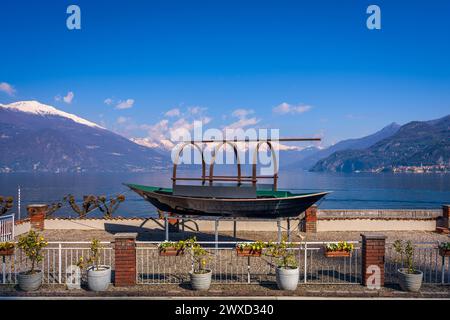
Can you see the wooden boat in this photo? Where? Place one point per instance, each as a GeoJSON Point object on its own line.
{"type": "Point", "coordinates": [242, 200]}
{"type": "Point", "coordinates": [267, 204]}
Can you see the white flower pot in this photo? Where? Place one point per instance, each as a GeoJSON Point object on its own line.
{"type": "Point", "coordinates": [410, 281]}
{"type": "Point", "coordinates": [99, 280]}
{"type": "Point", "coordinates": [201, 281]}
{"type": "Point", "coordinates": [287, 279]}
{"type": "Point", "coordinates": [30, 281]}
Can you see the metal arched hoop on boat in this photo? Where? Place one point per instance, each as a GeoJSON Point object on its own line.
{"type": "Point", "coordinates": [275, 163]}
{"type": "Point", "coordinates": [174, 174]}
{"type": "Point", "coordinates": [213, 160]}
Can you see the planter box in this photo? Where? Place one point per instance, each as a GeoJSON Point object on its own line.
{"type": "Point", "coordinates": [444, 252]}
{"type": "Point", "coordinates": [171, 252]}
{"type": "Point", "coordinates": [248, 252]}
{"type": "Point", "coordinates": [337, 254]}
{"type": "Point", "coordinates": [6, 252]}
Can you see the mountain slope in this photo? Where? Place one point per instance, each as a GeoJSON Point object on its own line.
{"type": "Point", "coordinates": [416, 143]}
{"type": "Point", "coordinates": [39, 138]}
{"type": "Point", "coordinates": [353, 144]}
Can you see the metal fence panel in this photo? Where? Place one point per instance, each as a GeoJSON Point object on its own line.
{"type": "Point", "coordinates": [436, 269]}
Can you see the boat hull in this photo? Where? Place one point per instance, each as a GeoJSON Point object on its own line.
{"type": "Point", "coordinates": [261, 207]}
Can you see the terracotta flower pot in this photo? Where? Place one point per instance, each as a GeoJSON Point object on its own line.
{"type": "Point", "coordinates": [248, 252]}
{"type": "Point", "coordinates": [337, 254]}
{"type": "Point", "coordinates": [7, 252]}
{"type": "Point", "coordinates": [444, 252]}
{"type": "Point", "coordinates": [171, 252]}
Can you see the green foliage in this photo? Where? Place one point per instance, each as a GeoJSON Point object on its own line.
{"type": "Point", "coordinates": [340, 246]}
{"type": "Point", "coordinates": [405, 252]}
{"type": "Point", "coordinates": [108, 209]}
{"type": "Point", "coordinates": [179, 245]}
{"type": "Point", "coordinates": [199, 255]}
{"type": "Point", "coordinates": [94, 256]}
{"type": "Point", "coordinates": [444, 245]}
{"type": "Point", "coordinates": [252, 246]}
{"type": "Point", "coordinates": [32, 244]}
{"type": "Point", "coordinates": [6, 204]}
{"type": "Point", "coordinates": [284, 253]}
{"type": "Point", "coordinates": [6, 245]}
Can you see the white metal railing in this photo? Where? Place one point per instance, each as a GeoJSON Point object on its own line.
{"type": "Point", "coordinates": [7, 228]}
{"type": "Point", "coordinates": [228, 268]}
{"type": "Point", "coordinates": [57, 261]}
{"type": "Point", "coordinates": [436, 269]}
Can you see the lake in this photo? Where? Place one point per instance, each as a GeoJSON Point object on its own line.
{"type": "Point", "coordinates": [350, 191]}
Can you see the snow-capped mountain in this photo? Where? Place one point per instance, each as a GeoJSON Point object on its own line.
{"type": "Point", "coordinates": [41, 109]}
{"type": "Point", "coordinates": [40, 138]}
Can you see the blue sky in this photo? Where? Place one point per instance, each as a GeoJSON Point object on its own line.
{"type": "Point", "coordinates": [330, 74]}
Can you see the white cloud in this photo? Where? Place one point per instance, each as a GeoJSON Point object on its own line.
{"type": "Point", "coordinates": [122, 120]}
{"type": "Point", "coordinates": [108, 101]}
{"type": "Point", "coordinates": [196, 110]}
{"type": "Point", "coordinates": [286, 108]}
{"type": "Point", "coordinates": [69, 97]}
{"type": "Point", "coordinates": [173, 113]}
{"type": "Point", "coordinates": [58, 98]}
{"type": "Point", "coordinates": [241, 113]}
{"type": "Point", "coordinates": [242, 121]}
{"type": "Point", "coordinates": [125, 104]}
{"type": "Point", "coordinates": [7, 88]}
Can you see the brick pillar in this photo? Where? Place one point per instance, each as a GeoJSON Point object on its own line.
{"type": "Point", "coordinates": [310, 223]}
{"type": "Point", "coordinates": [125, 259]}
{"type": "Point", "coordinates": [37, 213]}
{"type": "Point", "coordinates": [373, 251]}
{"type": "Point", "coordinates": [446, 214]}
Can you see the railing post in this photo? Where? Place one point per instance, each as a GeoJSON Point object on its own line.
{"type": "Point", "coordinates": [125, 259]}
{"type": "Point", "coordinates": [305, 270]}
{"type": "Point", "coordinates": [59, 263]}
{"type": "Point", "coordinates": [372, 260]}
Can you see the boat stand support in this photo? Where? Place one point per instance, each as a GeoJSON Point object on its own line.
{"type": "Point", "coordinates": [216, 232]}
{"type": "Point", "coordinates": [279, 229]}
{"type": "Point", "coordinates": [166, 226]}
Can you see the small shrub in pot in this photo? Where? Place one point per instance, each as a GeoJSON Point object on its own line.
{"type": "Point", "coordinates": [99, 276]}
{"type": "Point", "coordinates": [200, 275]}
{"type": "Point", "coordinates": [410, 279]}
{"type": "Point", "coordinates": [287, 272]}
{"type": "Point", "coordinates": [31, 245]}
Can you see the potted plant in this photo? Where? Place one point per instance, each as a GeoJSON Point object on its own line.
{"type": "Point", "coordinates": [410, 279]}
{"type": "Point", "coordinates": [6, 248]}
{"type": "Point", "coordinates": [340, 249]}
{"type": "Point", "coordinates": [250, 249]}
{"type": "Point", "coordinates": [31, 244]}
{"type": "Point", "coordinates": [200, 275]}
{"type": "Point", "coordinates": [444, 249]}
{"type": "Point", "coordinates": [287, 272]}
{"type": "Point", "coordinates": [168, 248]}
{"type": "Point", "coordinates": [98, 276]}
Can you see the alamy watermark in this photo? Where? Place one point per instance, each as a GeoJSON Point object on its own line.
{"type": "Point", "coordinates": [228, 146]}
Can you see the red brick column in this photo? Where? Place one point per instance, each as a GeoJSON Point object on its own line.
{"type": "Point", "coordinates": [37, 213]}
{"type": "Point", "coordinates": [125, 259]}
{"type": "Point", "coordinates": [373, 251]}
{"type": "Point", "coordinates": [446, 214]}
{"type": "Point", "coordinates": [310, 222]}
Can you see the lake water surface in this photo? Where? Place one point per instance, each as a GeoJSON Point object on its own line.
{"type": "Point", "coordinates": [350, 191]}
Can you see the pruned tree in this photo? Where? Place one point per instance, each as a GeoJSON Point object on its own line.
{"type": "Point", "coordinates": [89, 203]}
{"type": "Point", "coordinates": [6, 204]}
{"type": "Point", "coordinates": [108, 209]}
{"type": "Point", "coordinates": [55, 206]}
